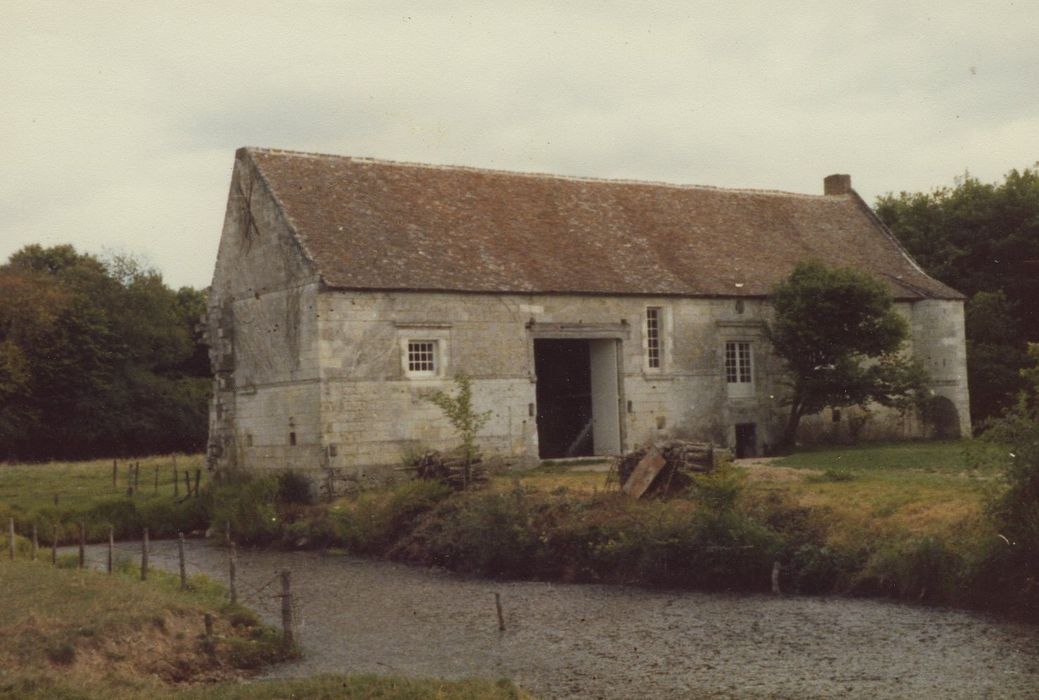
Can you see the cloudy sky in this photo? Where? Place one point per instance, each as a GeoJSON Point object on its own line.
{"type": "Point", "coordinates": [118, 121]}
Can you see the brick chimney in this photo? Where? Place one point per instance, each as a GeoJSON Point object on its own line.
{"type": "Point", "coordinates": [837, 184]}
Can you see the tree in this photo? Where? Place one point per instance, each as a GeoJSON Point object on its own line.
{"type": "Point", "coordinates": [97, 358]}
{"type": "Point", "coordinates": [462, 416]}
{"type": "Point", "coordinates": [838, 332]}
{"type": "Point", "coordinates": [1014, 510]}
{"type": "Point", "coordinates": [983, 240]}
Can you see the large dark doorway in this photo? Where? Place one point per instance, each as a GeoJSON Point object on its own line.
{"type": "Point", "coordinates": [564, 398]}
{"type": "Point", "coordinates": [945, 418]}
{"type": "Point", "coordinates": [746, 440]}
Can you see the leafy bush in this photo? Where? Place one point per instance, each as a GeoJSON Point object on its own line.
{"type": "Point", "coordinates": [165, 517]}
{"type": "Point", "coordinates": [295, 487]}
{"type": "Point", "coordinates": [1014, 559]}
{"type": "Point", "coordinates": [248, 504]}
{"type": "Point", "coordinates": [374, 520]}
{"type": "Point", "coordinates": [719, 489]}
{"type": "Point", "coordinates": [817, 568]}
{"type": "Point", "coordinates": [921, 569]}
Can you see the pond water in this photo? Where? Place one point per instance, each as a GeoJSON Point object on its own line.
{"type": "Point", "coordinates": [585, 641]}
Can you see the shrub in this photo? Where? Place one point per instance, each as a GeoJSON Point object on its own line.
{"type": "Point", "coordinates": [921, 569]}
{"type": "Point", "coordinates": [374, 520]}
{"type": "Point", "coordinates": [719, 489]}
{"type": "Point", "coordinates": [165, 517]}
{"type": "Point", "coordinates": [249, 505]}
{"type": "Point", "coordinates": [295, 487]}
{"type": "Point", "coordinates": [817, 568]}
{"type": "Point", "coordinates": [120, 513]}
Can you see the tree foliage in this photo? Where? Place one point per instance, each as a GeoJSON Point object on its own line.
{"type": "Point", "coordinates": [1015, 511]}
{"type": "Point", "coordinates": [460, 413]}
{"type": "Point", "coordinates": [983, 240]}
{"type": "Point", "coordinates": [839, 335]}
{"type": "Point", "coordinates": [97, 358]}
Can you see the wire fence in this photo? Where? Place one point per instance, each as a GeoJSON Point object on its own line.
{"type": "Point", "coordinates": [272, 597]}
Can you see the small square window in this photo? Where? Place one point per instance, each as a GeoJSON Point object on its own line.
{"type": "Point", "coordinates": [422, 356]}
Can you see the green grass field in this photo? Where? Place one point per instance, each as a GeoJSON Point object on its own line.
{"type": "Point", "coordinates": [65, 494]}
{"type": "Point", "coordinates": [77, 486]}
{"type": "Point", "coordinates": [895, 490]}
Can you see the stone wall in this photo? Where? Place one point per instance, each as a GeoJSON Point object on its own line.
{"type": "Point", "coordinates": [373, 412]}
{"type": "Point", "coordinates": [262, 332]}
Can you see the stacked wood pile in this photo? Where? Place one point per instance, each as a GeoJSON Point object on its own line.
{"type": "Point", "coordinates": [450, 467]}
{"type": "Point", "coordinates": [666, 467]}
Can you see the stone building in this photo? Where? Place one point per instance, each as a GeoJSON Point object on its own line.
{"type": "Point", "coordinates": [592, 315]}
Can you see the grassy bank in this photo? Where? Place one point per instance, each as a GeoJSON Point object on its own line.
{"type": "Point", "coordinates": [902, 520]}
{"type": "Point", "coordinates": [905, 520]}
{"type": "Point", "coordinates": [77, 634]}
{"type": "Point", "coordinates": [68, 633]}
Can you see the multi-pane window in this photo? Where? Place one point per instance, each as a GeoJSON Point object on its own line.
{"type": "Point", "coordinates": [737, 363]}
{"type": "Point", "coordinates": [653, 336]}
{"type": "Point", "coordinates": [422, 356]}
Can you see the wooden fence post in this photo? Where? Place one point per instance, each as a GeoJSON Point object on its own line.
{"type": "Point", "coordinates": [176, 482]}
{"type": "Point", "coordinates": [183, 566]}
{"type": "Point", "coordinates": [288, 637]}
{"type": "Point", "coordinates": [129, 479]}
{"type": "Point", "coordinates": [501, 618]}
{"type": "Point", "coordinates": [111, 548]}
{"type": "Point", "coordinates": [144, 556]}
{"type": "Point", "coordinates": [10, 536]}
{"type": "Point", "coordinates": [187, 483]}
{"type": "Point", "coordinates": [232, 566]}
{"type": "Point", "coordinates": [82, 544]}
{"type": "Point", "coordinates": [35, 543]}
{"type": "Point", "coordinates": [137, 476]}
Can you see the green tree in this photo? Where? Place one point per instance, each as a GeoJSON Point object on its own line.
{"type": "Point", "coordinates": [1014, 563]}
{"type": "Point", "coordinates": [840, 336]}
{"type": "Point", "coordinates": [97, 357]}
{"type": "Point", "coordinates": [983, 240]}
{"type": "Point", "coordinates": [462, 416]}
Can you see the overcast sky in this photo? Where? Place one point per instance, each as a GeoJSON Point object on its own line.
{"type": "Point", "coordinates": [119, 121]}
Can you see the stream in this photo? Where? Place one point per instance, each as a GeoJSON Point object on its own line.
{"type": "Point", "coordinates": [589, 641]}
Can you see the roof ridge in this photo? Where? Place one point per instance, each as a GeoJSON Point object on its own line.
{"type": "Point", "coordinates": [544, 175]}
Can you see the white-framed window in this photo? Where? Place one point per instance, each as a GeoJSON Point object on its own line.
{"type": "Point", "coordinates": [425, 349]}
{"type": "Point", "coordinates": [654, 336]}
{"type": "Point", "coordinates": [422, 358]}
{"type": "Point", "coordinates": [739, 368]}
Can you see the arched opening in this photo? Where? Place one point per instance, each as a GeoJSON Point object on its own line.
{"type": "Point", "coordinates": [944, 418]}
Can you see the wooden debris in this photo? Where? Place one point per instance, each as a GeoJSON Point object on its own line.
{"type": "Point", "coordinates": [645, 472]}
{"type": "Point", "coordinates": [452, 468]}
{"type": "Point", "coordinates": [666, 467]}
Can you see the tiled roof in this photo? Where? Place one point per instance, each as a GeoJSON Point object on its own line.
{"type": "Point", "coordinates": [370, 224]}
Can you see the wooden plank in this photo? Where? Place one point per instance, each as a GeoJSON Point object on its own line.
{"type": "Point", "coordinates": [645, 472]}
